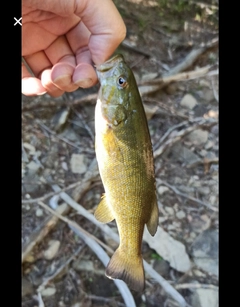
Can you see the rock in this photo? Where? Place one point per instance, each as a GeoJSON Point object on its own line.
{"type": "Point", "coordinates": [188, 101]}
{"type": "Point", "coordinates": [52, 250]}
{"type": "Point", "coordinates": [183, 154]}
{"type": "Point", "coordinates": [162, 189]}
{"type": "Point", "coordinates": [39, 212]}
{"type": "Point", "coordinates": [84, 265]}
{"type": "Point", "coordinates": [198, 136]}
{"type": "Point", "coordinates": [205, 298]}
{"type": "Point", "coordinates": [77, 164]}
{"type": "Point", "coordinates": [27, 287]}
{"type": "Point", "coordinates": [215, 130]}
{"type": "Point", "coordinates": [209, 145]}
{"type": "Point", "coordinates": [180, 215]}
{"type": "Point", "coordinates": [48, 291]}
{"type": "Point", "coordinates": [208, 95]}
{"type": "Point", "coordinates": [205, 251]}
{"type": "Point", "coordinates": [33, 167]}
{"type": "Point", "coordinates": [169, 249]}
{"type": "Point", "coordinates": [64, 166]}
{"type": "Point", "coordinates": [169, 210]}
{"type": "Point", "coordinates": [204, 190]}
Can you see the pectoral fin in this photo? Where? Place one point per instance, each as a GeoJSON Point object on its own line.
{"type": "Point", "coordinates": [152, 223]}
{"type": "Point", "coordinates": [103, 213]}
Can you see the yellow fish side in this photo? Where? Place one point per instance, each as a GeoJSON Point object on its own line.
{"type": "Point", "coordinates": [125, 160]}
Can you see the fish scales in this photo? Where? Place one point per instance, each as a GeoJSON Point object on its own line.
{"type": "Point", "coordinates": [125, 160]}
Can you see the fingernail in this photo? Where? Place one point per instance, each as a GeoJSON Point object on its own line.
{"type": "Point", "coordinates": [62, 80]}
{"type": "Point", "coordinates": [84, 83]}
{"type": "Point", "coordinates": [42, 93]}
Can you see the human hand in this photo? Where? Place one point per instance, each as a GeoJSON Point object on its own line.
{"type": "Point", "coordinates": [61, 39]}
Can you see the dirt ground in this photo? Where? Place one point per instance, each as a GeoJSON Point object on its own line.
{"type": "Point", "coordinates": [58, 149]}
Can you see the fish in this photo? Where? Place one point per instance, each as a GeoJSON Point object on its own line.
{"type": "Point", "coordinates": [125, 161]}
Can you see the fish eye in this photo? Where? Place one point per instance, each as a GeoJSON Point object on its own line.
{"type": "Point", "coordinates": [121, 81]}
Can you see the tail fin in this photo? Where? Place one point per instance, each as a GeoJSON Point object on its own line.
{"type": "Point", "coordinates": [128, 269]}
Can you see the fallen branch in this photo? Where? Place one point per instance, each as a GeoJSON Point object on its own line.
{"type": "Point", "coordinates": [91, 174]}
{"type": "Point", "coordinates": [192, 57]}
{"type": "Point", "coordinates": [39, 234]}
{"type": "Point", "coordinates": [59, 270]}
{"type": "Point", "coordinates": [93, 243]}
{"type": "Point", "coordinates": [176, 191]}
{"type": "Point", "coordinates": [196, 286]}
{"type": "Point", "coordinates": [165, 285]}
{"type": "Point", "coordinates": [201, 72]}
{"type": "Point", "coordinates": [198, 123]}
{"type": "Point", "coordinates": [56, 136]}
{"type": "Point", "coordinates": [54, 103]}
{"type": "Point", "coordinates": [40, 300]}
{"type": "Point", "coordinates": [46, 196]}
{"type": "Point", "coordinates": [102, 255]}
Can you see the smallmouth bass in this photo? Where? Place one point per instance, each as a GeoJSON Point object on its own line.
{"type": "Point", "coordinates": [125, 160]}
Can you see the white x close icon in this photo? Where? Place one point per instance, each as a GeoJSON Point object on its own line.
{"type": "Point", "coordinates": [18, 21]}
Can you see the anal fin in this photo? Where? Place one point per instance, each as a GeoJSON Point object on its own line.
{"type": "Point", "coordinates": [152, 223]}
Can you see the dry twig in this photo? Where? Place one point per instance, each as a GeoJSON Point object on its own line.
{"type": "Point", "coordinates": [41, 233]}
{"type": "Point", "coordinates": [176, 191]}
{"type": "Point", "coordinates": [192, 57]}
{"type": "Point", "coordinates": [195, 286]}
{"type": "Point", "coordinates": [59, 270]}
{"type": "Point", "coordinates": [166, 286]}
{"type": "Point", "coordinates": [55, 103]}
{"type": "Point", "coordinates": [198, 123]}
{"type": "Point", "coordinates": [93, 243]}
{"type": "Point", "coordinates": [44, 197]}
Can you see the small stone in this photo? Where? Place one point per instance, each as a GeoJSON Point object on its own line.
{"type": "Point", "coordinates": [27, 207]}
{"type": "Point", "coordinates": [77, 164]}
{"type": "Point", "coordinates": [205, 251]}
{"type": "Point", "coordinates": [149, 76]}
{"type": "Point", "coordinates": [48, 291]}
{"type": "Point", "coordinates": [188, 101]}
{"type": "Point", "coordinates": [213, 199]}
{"type": "Point", "coordinates": [198, 137]}
{"type": "Point", "coordinates": [39, 212]}
{"type": "Point", "coordinates": [52, 250]}
{"type": "Point", "coordinates": [33, 167]}
{"type": "Point", "coordinates": [208, 95]}
{"type": "Point", "coordinates": [204, 298]}
{"type": "Point", "coordinates": [171, 227]}
{"type": "Point", "coordinates": [162, 219]}
{"type": "Point", "coordinates": [162, 189]}
{"type": "Point", "coordinates": [193, 235]}
{"type": "Point", "coordinates": [204, 190]}
{"type": "Point", "coordinates": [169, 210]}
{"type": "Point", "coordinates": [180, 215]}
{"type": "Point", "coordinates": [64, 166]}
{"type": "Point", "coordinates": [209, 145]}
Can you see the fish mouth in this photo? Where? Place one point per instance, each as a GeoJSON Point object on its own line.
{"type": "Point", "coordinates": [104, 70]}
